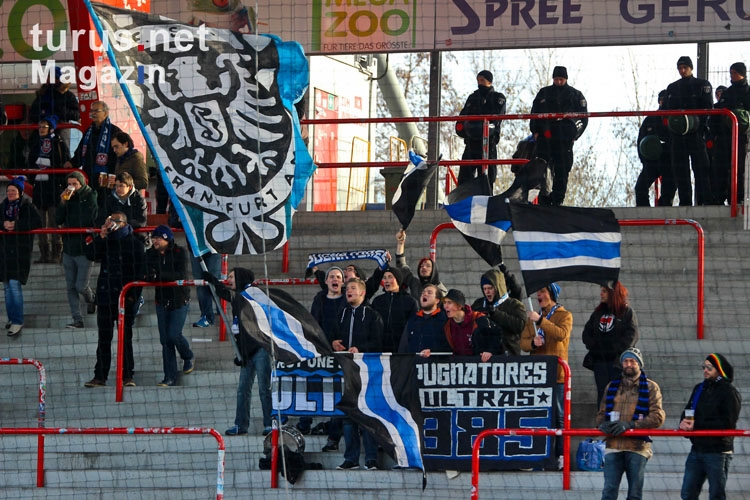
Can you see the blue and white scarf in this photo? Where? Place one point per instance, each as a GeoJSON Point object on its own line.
{"type": "Point", "coordinates": [102, 147]}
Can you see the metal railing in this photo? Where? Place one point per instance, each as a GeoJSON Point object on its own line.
{"type": "Point", "coordinates": [42, 407]}
{"type": "Point", "coordinates": [121, 321]}
{"type": "Point", "coordinates": [567, 433]}
{"type": "Point", "coordinates": [636, 222]}
{"type": "Point", "coordinates": [529, 116]}
{"type": "Point", "coordinates": [166, 431]}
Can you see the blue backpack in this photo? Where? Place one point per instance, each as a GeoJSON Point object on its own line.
{"type": "Point", "coordinates": [590, 455]}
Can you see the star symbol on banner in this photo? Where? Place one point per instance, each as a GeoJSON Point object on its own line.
{"type": "Point", "coordinates": [543, 396]}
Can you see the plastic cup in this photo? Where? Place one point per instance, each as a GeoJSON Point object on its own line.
{"type": "Point", "coordinates": [614, 416]}
{"type": "Point", "coordinates": [689, 414]}
{"type": "Point", "coordinates": [111, 181]}
{"type": "Point", "coordinates": [68, 193]}
{"type": "Point", "coordinates": [103, 179]}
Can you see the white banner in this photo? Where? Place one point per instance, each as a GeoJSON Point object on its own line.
{"type": "Point", "coordinates": [362, 26]}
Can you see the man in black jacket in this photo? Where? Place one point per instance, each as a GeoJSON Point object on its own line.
{"type": "Point", "coordinates": [167, 261]}
{"type": "Point", "coordinates": [255, 359]}
{"type": "Point", "coordinates": [555, 137]}
{"type": "Point", "coordinates": [78, 208]}
{"type": "Point", "coordinates": [736, 97]}
{"type": "Point", "coordinates": [359, 329]}
{"type": "Point", "coordinates": [123, 260]}
{"type": "Point", "coordinates": [688, 141]}
{"type": "Point", "coordinates": [395, 307]}
{"type": "Point", "coordinates": [714, 404]}
{"type": "Point", "coordinates": [483, 101]}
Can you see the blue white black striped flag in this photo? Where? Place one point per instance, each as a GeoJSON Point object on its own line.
{"type": "Point", "coordinates": [410, 189]}
{"type": "Point", "coordinates": [380, 394]}
{"type": "Point", "coordinates": [280, 319]}
{"type": "Point", "coordinates": [566, 244]}
{"type": "Point", "coordinates": [482, 219]}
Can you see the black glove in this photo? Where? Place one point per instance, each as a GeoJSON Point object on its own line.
{"type": "Point", "coordinates": [206, 276]}
{"type": "Point", "coordinates": [606, 427]}
{"type": "Point", "coordinates": [237, 362]}
{"type": "Point", "coordinates": [620, 427]}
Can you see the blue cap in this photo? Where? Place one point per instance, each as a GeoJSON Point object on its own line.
{"type": "Point", "coordinates": [164, 232]}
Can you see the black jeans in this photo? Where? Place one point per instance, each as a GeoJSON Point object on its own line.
{"type": "Point", "coordinates": [106, 315]}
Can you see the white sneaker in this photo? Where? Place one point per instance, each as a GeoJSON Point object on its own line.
{"type": "Point", "coordinates": [560, 462]}
{"type": "Point", "coordinates": [14, 330]}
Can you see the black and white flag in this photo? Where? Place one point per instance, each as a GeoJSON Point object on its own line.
{"type": "Point", "coordinates": [280, 319]}
{"type": "Point", "coordinates": [410, 189]}
{"type": "Point", "coordinates": [482, 219]}
{"type": "Point", "coordinates": [380, 394]}
{"type": "Point", "coordinates": [566, 244]}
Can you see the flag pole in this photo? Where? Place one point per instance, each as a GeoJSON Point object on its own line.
{"type": "Point", "coordinates": [222, 312]}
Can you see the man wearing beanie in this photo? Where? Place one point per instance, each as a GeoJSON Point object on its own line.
{"type": "Point", "coordinates": [547, 333]}
{"type": "Point", "coordinates": [122, 260]}
{"type": "Point", "coordinates": [736, 97]}
{"type": "Point", "coordinates": [462, 322]}
{"type": "Point", "coordinates": [49, 152]}
{"type": "Point", "coordinates": [555, 137]}
{"type": "Point", "coordinates": [78, 208]}
{"type": "Point", "coordinates": [632, 401]}
{"type": "Point", "coordinates": [167, 261]}
{"type": "Point", "coordinates": [687, 134]}
{"type": "Point", "coordinates": [714, 404]}
{"type": "Point", "coordinates": [507, 315]}
{"type": "Point", "coordinates": [395, 306]}
{"type": "Point", "coordinates": [483, 101]}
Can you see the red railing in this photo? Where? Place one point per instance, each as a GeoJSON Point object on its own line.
{"type": "Point", "coordinates": [566, 433]}
{"type": "Point", "coordinates": [529, 116]}
{"type": "Point", "coordinates": [635, 222]}
{"type": "Point", "coordinates": [701, 258]}
{"type": "Point", "coordinates": [167, 431]}
{"type": "Point", "coordinates": [121, 321]}
{"type": "Point", "coordinates": [31, 171]}
{"type": "Point", "coordinates": [42, 408]}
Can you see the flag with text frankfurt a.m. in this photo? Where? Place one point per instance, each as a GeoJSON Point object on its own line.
{"type": "Point", "coordinates": [410, 189]}
{"type": "Point", "coordinates": [217, 110]}
{"type": "Point", "coordinates": [380, 394]}
{"type": "Point", "coordinates": [566, 244]}
{"type": "Point", "coordinates": [482, 219]}
{"type": "Point", "coordinates": [279, 319]}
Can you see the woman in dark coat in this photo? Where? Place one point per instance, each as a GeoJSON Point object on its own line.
{"type": "Point", "coordinates": [18, 214]}
{"type": "Point", "coordinates": [611, 329]}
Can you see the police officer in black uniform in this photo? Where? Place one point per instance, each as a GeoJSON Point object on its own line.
{"type": "Point", "coordinates": [656, 162]}
{"type": "Point", "coordinates": [483, 101]}
{"type": "Point", "coordinates": [555, 137]}
{"type": "Point", "coordinates": [688, 141]}
{"type": "Point", "coordinates": [737, 96]}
